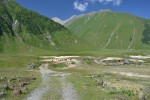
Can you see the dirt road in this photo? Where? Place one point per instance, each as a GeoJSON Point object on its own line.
{"type": "Point", "coordinates": [67, 90]}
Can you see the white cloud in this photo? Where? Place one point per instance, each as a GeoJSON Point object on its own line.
{"type": "Point", "coordinates": [115, 2]}
{"type": "Point", "coordinates": [80, 6]}
{"type": "Point", "coordinates": [83, 6]}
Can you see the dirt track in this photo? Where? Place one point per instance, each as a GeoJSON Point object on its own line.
{"type": "Point", "coordinates": [67, 90]}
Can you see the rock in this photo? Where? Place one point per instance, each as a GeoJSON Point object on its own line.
{"type": "Point", "coordinates": [31, 66]}
{"type": "Point", "coordinates": [3, 78]}
{"type": "Point", "coordinates": [73, 63]}
{"type": "Point", "coordinates": [4, 86]}
{"type": "Point", "coordinates": [147, 90]}
{"type": "Point", "coordinates": [33, 78]}
{"type": "Point", "coordinates": [106, 84]}
{"type": "Point", "coordinates": [103, 83]}
{"type": "Point", "coordinates": [17, 91]}
{"type": "Point", "coordinates": [2, 94]}
{"type": "Point", "coordinates": [11, 87]}
{"type": "Point", "coordinates": [12, 79]}
{"type": "Point", "coordinates": [23, 79]}
{"type": "Point", "coordinates": [25, 88]}
{"type": "Point", "coordinates": [141, 96]}
{"type": "Point", "coordinates": [23, 84]}
{"type": "Point", "coordinates": [127, 62]}
{"type": "Point", "coordinates": [99, 82]}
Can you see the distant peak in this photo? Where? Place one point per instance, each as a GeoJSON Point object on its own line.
{"type": "Point", "coordinates": [56, 19]}
{"type": "Point", "coordinates": [75, 17]}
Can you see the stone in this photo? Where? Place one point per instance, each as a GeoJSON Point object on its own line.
{"type": "Point", "coordinates": [147, 90]}
{"type": "Point", "coordinates": [33, 78]}
{"type": "Point", "coordinates": [23, 84]}
{"type": "Point", "coordinates": [99, 82]}
{"type": "Point", "coordinates": [4, 86]}
{"type": "Point", "coordinates": [11, 87]}
{"type": "Point", "coordinates": [23, 79]}
{"type": "Point", "coordinates": [17, 91]}
{"type": "Point", "coordinates": [3, 78]}
{"type": "Point", "coordinates": [2, 94]}
{"type": "Point", "coordinates": [24, 89]}
{"type": "Point", "coordinates": [31, 66]}
{"type": "Point", "coordinates": [106, 84]}
{"type": "Point", "coordinates": [141, 96]}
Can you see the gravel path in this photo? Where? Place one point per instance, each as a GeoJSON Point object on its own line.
{"type": "Point", "coordinates": [67, 91]}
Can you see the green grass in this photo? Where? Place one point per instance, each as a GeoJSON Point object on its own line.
{"type": "Point", "coordinates": [114, 52]}
{"type": "Point", "coordinates": [35, 30]}
{"type": "Point", "coordinates": [14, 65]}
{"type": "Point", "coordinates": [12, 72]}
{"type": "Point", "coordinates": [98, 27]}
{"type": "Point", "coordinates": [58, 65]}
{"type": "Point", "coordinates": [87, 87]}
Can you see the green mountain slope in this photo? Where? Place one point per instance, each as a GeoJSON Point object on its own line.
{"type": "Point", "coordinates": [19, 25]}
{"type": "Point", "coordinates": [112, 30]}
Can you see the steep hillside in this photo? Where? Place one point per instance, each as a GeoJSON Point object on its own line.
{"type": "Point", "coordinates": [112, 30]}
{"type": "Point", "coordinates": [19, 25]}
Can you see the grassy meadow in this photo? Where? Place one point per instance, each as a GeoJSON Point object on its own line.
{"type": "Point", "coordinates": [83, 77]}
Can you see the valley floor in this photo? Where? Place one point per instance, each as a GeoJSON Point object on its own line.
{"type": "Point", "coordinates": [81, 78]}
{"type": "Point", "coordinates": [88, 80]}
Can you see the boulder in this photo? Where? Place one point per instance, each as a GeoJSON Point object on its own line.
{"type": "Point", "coordinates": [2, 94]}
{"type": "Point", "coordinates": [17, 91]}
{"type": "Point", "coordinates": [33, 78]}
{"type": "Point", "coordinates": [106, 84]}
{"type": "Point", "coordinates": [23, 84]}
{"type": "Point", "coordinates": [147, 90]}
{"type": "Point", "coordinates": [3, 79]}
{"type": "Point", "coordinates": [103, 83]}
{"type": "Point", "coordinates": [11, 79]}
{"type": "Point", "coordinates": [23, 79]}
{"type": "Point", "coordinates": [11, 87]}
{"type": "Point", "coordinates": [99, 82]}
{"type": "Point", "coordinates": [4, 86]}
{"type": "Point", "coordinates": [141, 96]}
{"type": "Point", "coordinates": [31, 66]}
{"type": "Point", "coordinates": [24, 89]}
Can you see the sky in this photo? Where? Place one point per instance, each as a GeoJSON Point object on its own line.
{"type": "Point", "coordinates": [64, 9]}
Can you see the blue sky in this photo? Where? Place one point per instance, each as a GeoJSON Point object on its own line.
{"type": "Point", "coordinates": [64, 9]}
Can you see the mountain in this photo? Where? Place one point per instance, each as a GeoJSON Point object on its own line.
{"type": "Point", "coordinates": [71, 20]}
{"type": "Point", "coordinates": [67, 21]}
{"type": "Point", "coordinates": [20, 26]}
{"type": "Point", "coordinates": [58, 20]}
{"type": "Point", "coordinates": [112, 30]}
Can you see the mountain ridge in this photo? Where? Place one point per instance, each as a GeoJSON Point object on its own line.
{"type": "Point", "coordinates": [17, 24]}
{"type": "Point", "coordinates": [112, 30]}
{"type": "Point", "coordinates": [67, 21]}
{"type": "Point", "coordinates": [71, 19]}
